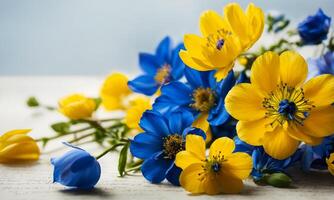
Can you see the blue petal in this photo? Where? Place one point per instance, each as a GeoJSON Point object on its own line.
{"type": "Point", "coordinates": [179, 120]}
{"type": "Point", "coordinates": [218, 115]}
{"type": "Point", "coordinates": [241, 146]}
{"type": "Point", "coordinates": [155, 123]}
{"type": "Point", "coordinates": [197, 79]}
{"type": "Point", "coordinates": [154, 169]}
{"type": "Point", "coordinates": [178, 92]}
{"type": "Point", "coordinates": [176, 63]}
{"type": "Point", "coordinates": [148, 63]}
{"type": "Point", "coordinates": [224, 86]}
{"type": "Point", "coordinates": [144, 84]}
{"type": "Point", "coordinates": [144, 145]}
{"type": "Point", "coordinates": [173, 174]}
{"type": "Point", "coordinates": [164, 105]}
{"type": "Point", "coordinates": [307, 158]}
{"type": "Point", "coordinates": [194, 131]}
{"type": "Point", "coordinates": [163, 51]}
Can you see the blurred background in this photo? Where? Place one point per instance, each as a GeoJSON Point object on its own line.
{"type": "Point", "coordinates": [85, 37]}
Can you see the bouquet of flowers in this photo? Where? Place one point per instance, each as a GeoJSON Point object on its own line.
{"type": "Point", "coordinates": [207, 113]}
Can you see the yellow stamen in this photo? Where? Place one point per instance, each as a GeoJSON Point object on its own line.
{"type": "Point", "coordinates": [162, 74]}
{"type": "Point", "coordinates": [172, 145]}
{"type": "Point", "coordinates": [204, 99]}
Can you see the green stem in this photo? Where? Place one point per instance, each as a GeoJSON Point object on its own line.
{"type": "Point", "coordinates": [61, 135]}
{"type": "Point", "coordinates": [80, 138]}
{"type": "Point", "coordinates": [108, 150]}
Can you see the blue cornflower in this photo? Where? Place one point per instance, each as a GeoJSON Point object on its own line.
{"type": "Point", "coordinates": [322, 65]}
{"type": "Point", "coordinates": [159, 68]}
{"type": "Point", "coordinates": [163, 137]}
{"type": "Point", "coordinates": [77, 168]}
{"type": "Point", "coordinates": [314, 29]}
{"type": "Point", "coordinates": [263, 164]}
{"type": "Point", "coordinates": [201, 95]}
{"type": "Point", "coordinates": [314, 157]}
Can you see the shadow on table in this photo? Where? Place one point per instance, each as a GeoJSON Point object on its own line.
{"type": "Point", "coordinates": [93, 192]}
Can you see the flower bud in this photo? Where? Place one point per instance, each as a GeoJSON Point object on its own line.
{"type": "Point", "coordinates": [17, 146]}
{"type": "Point", "coordinates": [77, 106]}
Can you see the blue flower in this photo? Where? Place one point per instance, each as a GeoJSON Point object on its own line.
{"type": "Point", "coordinates": [201, 95]}
{"type": "Point", "coordinates": [314, 29]}
{"type": "Point", "coordinates": [162, 67]}
{"type": "Point", "coordinates": [322, 65]}
{"type": "Point", "coordinates": [162, 139]}
{"type": "Point", "coordinates": [263, 164]}
{"type": "Point", "coordinates": [77, 168]}
{"type": "Point", "coordinates": [314, 157]}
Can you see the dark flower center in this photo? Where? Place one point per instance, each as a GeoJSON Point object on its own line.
{"type": "Point", "coordinates": [220, 44]}
{"type": "Point", "coordinates": [204, 99]}
{"type": "Point", "coordinates": [215, 166]}
{"type": "Point", "coordinates": [162, 75]}
{"type": "Point", "coordinates": [287, 109]}
{"type": "Point", "coordinates": [172, 145]}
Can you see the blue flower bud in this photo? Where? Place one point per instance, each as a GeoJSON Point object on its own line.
{"type": "Point", "coordinates": [77, 168]}
{"type": "Point", "coordinates": [314, 29]}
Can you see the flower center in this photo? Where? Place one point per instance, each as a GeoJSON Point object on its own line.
{"type": "Point", "coordinates": [287, 104]}
{"type": "Point", "coordinates": [215, 166]}
{"type": "Point", "coordinates": [217, 40]}
{"type": "Point", "coordinates": [204, 99]}
{"type": "Point", "coordinates": [172, 145]}
{"type": "Point", "coordinates": [162, 75]}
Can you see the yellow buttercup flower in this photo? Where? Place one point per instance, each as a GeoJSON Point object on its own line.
{"type": "Point", "coordinates": [277, 109]}
{"type": "Point", "coordinates": [135, 110]}
{"type": "Point", "coordinates": [222, 172]}
{"type": "Point", "coordinates": [114, 90]}
{"type": "Point", "coordinates": [330, 163]}
{"type": "Point", "coordinates": [77, 106]}
{"type": "Point", "coordinates": [17, 146]}
{"type": "Point", "coordinates": [223, 38]}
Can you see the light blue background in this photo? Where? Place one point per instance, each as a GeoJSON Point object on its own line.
{"type": "Point", "coordinates": [83, 37]}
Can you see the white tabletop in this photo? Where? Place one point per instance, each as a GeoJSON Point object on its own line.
{"type": "Point", "coordinates": [34, 181]}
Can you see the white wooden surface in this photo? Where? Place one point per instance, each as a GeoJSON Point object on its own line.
{"type": "Point", "coordinates": [34, 181]}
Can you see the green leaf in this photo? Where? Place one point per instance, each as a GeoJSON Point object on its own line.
{"type": "Point", "coordinates": [280, 180]}
{"type": "Point", "coordinates": [32, 102]}
{"type": "Point", "coordinates": [61, 127]}
{"type": "Point", "coordinates": [123, 156]}
{"type": "Point", "coordinates": [98, 102]}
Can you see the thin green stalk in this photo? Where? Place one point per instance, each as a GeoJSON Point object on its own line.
{"type": "Point", "coordinates": [80, 138]}
{"type": "Point", "coordinates": [61, 135]}
{"type": "Point", "coordinates": [108, 150]}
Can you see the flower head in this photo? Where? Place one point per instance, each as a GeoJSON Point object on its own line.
{"type": "Point", "coordinates": [17, 146]}
{"type": "Point", "coordinates": [222, 172]}
{"type": "Point", "coordinates": [135, 111]}
{"type": "Point", "coordinates": [277, 109]}
{"type": "Point", "coordinates": [162, 139]}
{"type": "Point", "coordinates": [77, 168]}
{"type": "Point", "coordinates": [322, 65]}
{"type": "Point", "coordinates": [223, 38]}
{"type": "Point", "coordinates": [114, 91]}
{"type": "Point", "coordinates": [77, 106]}
{"type": "Point", "coordinates": [330, 163]}
{"type": "Point", "coordinates": [314, 29]}
{"type": "Point", "coordinates": [160, 68]}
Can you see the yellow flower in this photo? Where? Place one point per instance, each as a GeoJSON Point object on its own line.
{"type": "Point", "coordinates": [223, 39]}
{"type": "Point", "coordinates": [114, 90]}
{"type": "Point", "coordinates": [222, 172]}
{"type": "Point", "coordinates": [17, 146]}
{"type": "Point", "coordinates": [77, 106]}
{"type": "Point", "coordinates": [330, 163]}
{"type": "Point", "coordinates": [277, 109]}
{"type": "Point", "coordinates": [135, 110]}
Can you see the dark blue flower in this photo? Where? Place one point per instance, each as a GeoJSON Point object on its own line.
{"type": "Point", "coordinates": [314, 29]}
{"type": "Point", "coordinates": [201, 95]}
{"type": "Point", "coordinates": [77, 168]}
{"type": "Point", "coordinates": [314, 157]}
{"type": "Point", "coordinates": [159, 68]}
{"type": "Point", "coordinates": [263, 164]}
{"type": "Point", "coordinates": [163, 137]}
{"type": "Point", "coordinates": [322, 65]}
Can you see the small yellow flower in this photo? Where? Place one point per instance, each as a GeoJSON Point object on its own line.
{"type": "Point", "coordinates": [222, 172]}
{"type": "Point", "coordinates": [223, 39]}
{"type": "Point", "coordinates": [330, 163]}
{"type": "Point", "coordinates": [135, 110]}
{"type": "Point", "coordinates": [277, 109]}
{"type": "Point", "coordinates": [114, 90]}
{"type": "Point", "coordinates": [17, 146]}
{"type": "Point", "coordinates": [77, 106]}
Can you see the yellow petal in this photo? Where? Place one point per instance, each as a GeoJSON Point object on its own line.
{"type": "Point", "coordinates": [300, 133]}
{"type": "Point", "coordinates": [278, 144]}
{"type": "Point", "coordinates": [77, 106]}
{"type": "Point", "coordinates": [320, 122]}
{"type": "Point", "coordinates": [115, 85]}
{"type": "Point", "coordinates": [238, 165]}
{"type": "Point", "coordinates": [194, 63]}
{"type": "Point", "coordinates": [223, 146]}
{"type": "Point", "coordinates": [212, 185]}
{"type": "Point", "coordinates": [252, 132]}
{"type": "Point", "coordinates": [135, 111]}
{"type": "Point", "coordinates": [194, 44]}
{"type": "Point", "coordinates": [185, 158]}
{"type": "Point", "coordinates": [230, 185]}
{"type": "Point", "coordinates": [265, 71]}
{"type": "Point", "coordinates": [330, 163]}
{"type": "Point", "coordinates": [195, 144]}
{"type": "Point", "coordinates": [222, 72]}
{"type": "Point", "coordinates": [320, 90]}
{"type": "Point", "coordinates": [255, 18]}
{"type": "Point", "coordinates": [211, 22]}
{"type": "Point", "coordinates": [190, 179]}
{"type": "Point", "coordinates": [23, 151]}
{"type": "Point", "coordinates": [244, 102]}
{"type": "Point", "coordinates": [11, 133]}
{"type": "Point", "coordinates": [293, 68]}
{"type": "Point", "coordinates": [201, 122]}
